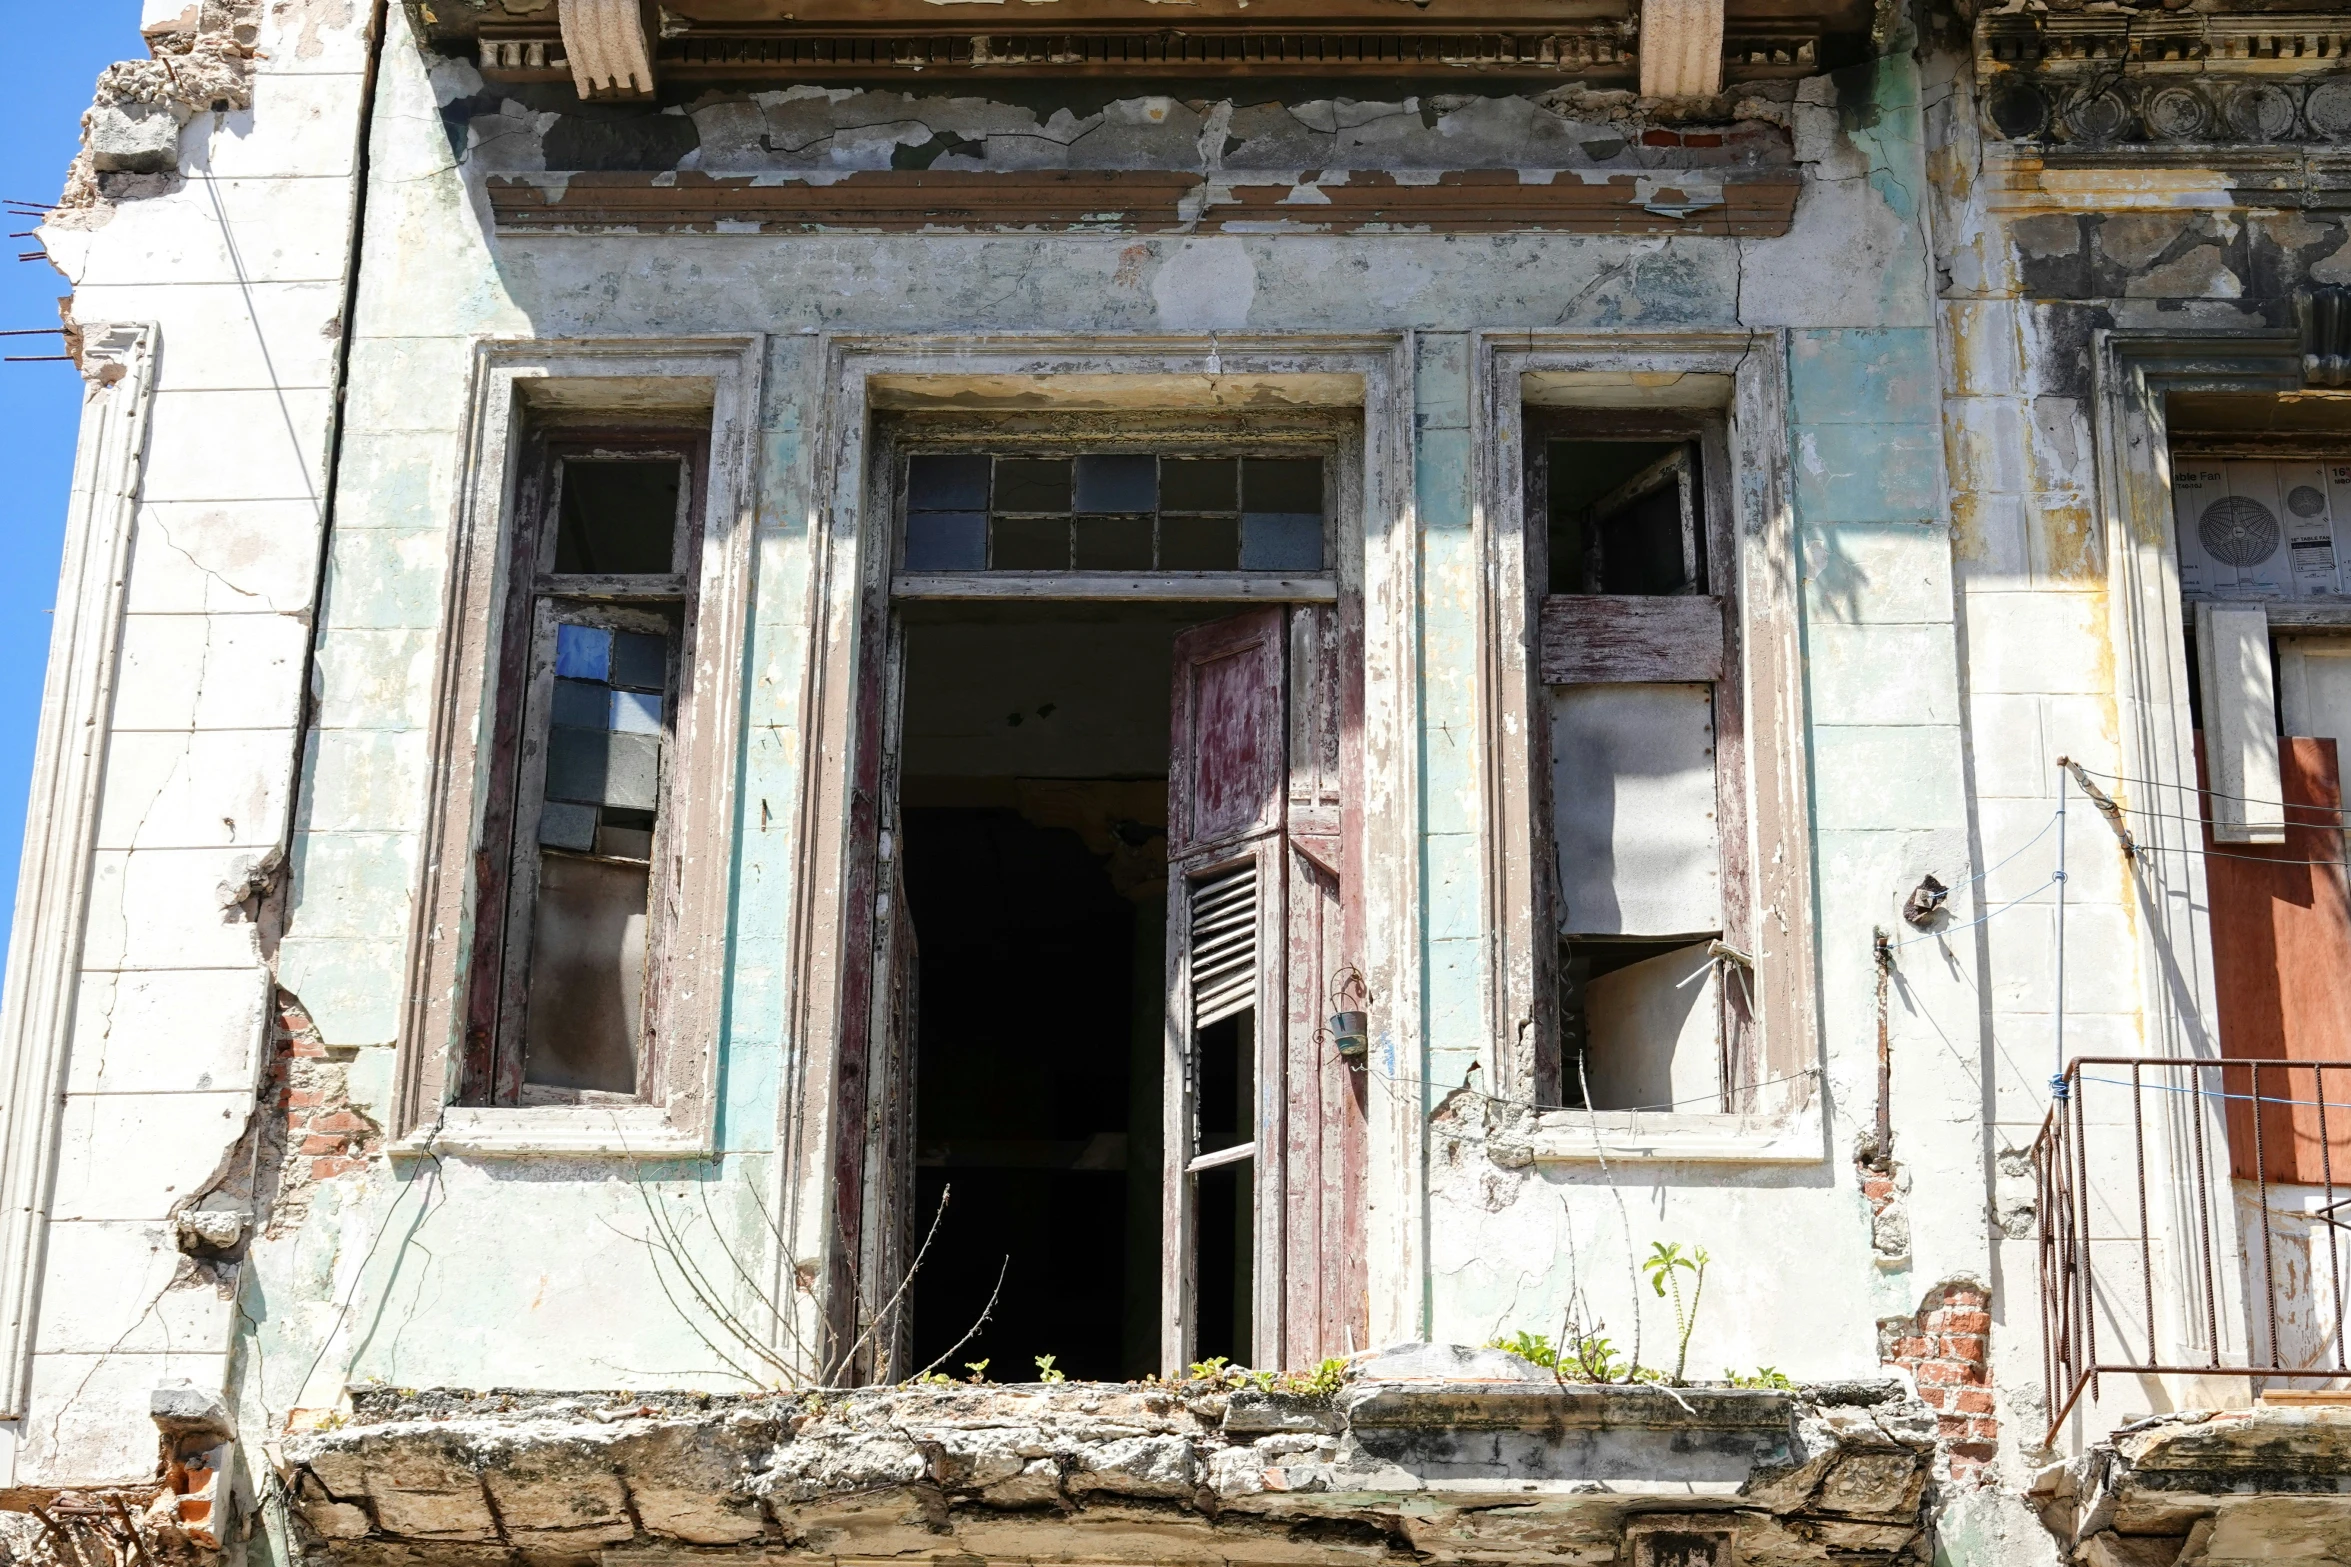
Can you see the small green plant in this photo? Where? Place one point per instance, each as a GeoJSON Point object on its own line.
{"type": "Point", "coordinates": [1665, 1266]}
{"type": "Point", "coordinates": [978, 1370]}
{"type": "Point", "coordinates": [1536, 1347]}
{"type": "Point", "coordinates": [1593, 1358]}
{"type": "Point", "coordinates": [1324, 1381]}
{"type": "Point", "coordinates": [933, 1379]}
{"type": "Point", "coordinates": [1214, 1369]}
{"type": "Point", "coordinates": [1765, 1376]}
{"type": "Point", "coordinates": [1045, 1372]}
{"type": "Point", "coordinates": [1587, 1357]}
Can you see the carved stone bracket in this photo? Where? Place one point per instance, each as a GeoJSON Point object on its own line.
{"type": "Point", "coordinates": [1681, 48]}
{"type": "Point", "coordinates": [2324, 316]}
{"type": "Point", "coordinates": [605, 43]}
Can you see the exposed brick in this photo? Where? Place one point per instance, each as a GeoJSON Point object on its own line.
{"type": "Point", "coordinates": [1938, 1372]}
{"type": "Point", "coordinates": [1974, 1401]}
{"type": "Point", "coordinates": [338, 1121]}
{"type": "Point", "coordinates": [328, 1169]}
{"type": "Point", "coordinates": [1963, 1346]}
{"type": "Point", "coordinates": [1912, 1349]}
{"type": "Point", "coordinates": [1961, 1321]}
{"type": "Point", "coordinates": [314, 1143]}
{"type": "Point", "coordinates": [1933, 1397]}
{"type": "Point", "coordinates": [1984, 1429]}
{"type": "Point", "coordinates": [298, 1098]}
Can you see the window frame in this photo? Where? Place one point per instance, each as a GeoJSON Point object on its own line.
{"type": "Point", "coordinates": [696, 394]}
{"type": "Point", "coordinates": [1716, 550]}
{"type": "Point", "coordinates": [497, 1001]}
{"type": "Point", "coordinates": [1738, 383]}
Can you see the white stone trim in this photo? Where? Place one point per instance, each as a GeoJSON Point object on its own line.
{"type": "Point", "coordinates": [61, 819]}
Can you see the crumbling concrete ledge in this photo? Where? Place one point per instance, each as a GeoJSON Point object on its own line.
{"type": "Point", "coordinates": [2203, 1486]}
{"type": "Point", "coordinates": [1482, 1468]}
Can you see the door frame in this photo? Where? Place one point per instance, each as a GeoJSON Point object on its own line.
{"type": "Point", "coordinates": [823, 1177]}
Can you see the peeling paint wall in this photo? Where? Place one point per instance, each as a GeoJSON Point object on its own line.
{"type": "Point", "coordinates": [266, 793]}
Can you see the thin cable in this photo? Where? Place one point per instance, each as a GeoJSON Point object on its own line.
{"type": "Point", "coordinates": [2223, 854]}
{"type": "Point", "coordinates": [2223, 1094]}
{"type": "Point", "coordinates": [1953, 930]}
{"type": "Point", "coordinates": [2195, 788]}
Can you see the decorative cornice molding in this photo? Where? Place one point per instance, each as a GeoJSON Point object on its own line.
{"type": "Point", "coordinates": [2099, 79]}
{"type": "Point", "coordinates": [61, 821]}
{"type": "Point", "coordinates": [1700, 201]}
{"type": "Point", "coordinates": [1600, 52]}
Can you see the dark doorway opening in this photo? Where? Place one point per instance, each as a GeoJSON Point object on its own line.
{"type": "Point", "coordinates": [1033, 800]}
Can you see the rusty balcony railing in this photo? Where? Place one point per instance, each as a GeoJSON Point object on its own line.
{"type": "Point", "coordinates": [2195, 1220]}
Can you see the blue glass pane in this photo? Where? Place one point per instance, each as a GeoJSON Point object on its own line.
{"type": "Point", "coordinates": [640, 661]}
{"type": "Point", "coordinates": [582, 652]}
{"type": "Point", "coordinates": [580, 704]}
{"type": "Point", "coordinates": [947, 484]}
{"type": "Point", "coordinates": [1281, 541]}
{"type": "Point", "coordinates": [577, 760]}
{"type": "Point", "coordinates": [947, 541]}
{"type": "Point", "coordinates": [636, 712]}
{"type": "Point", "coordinates": [1117, 483]}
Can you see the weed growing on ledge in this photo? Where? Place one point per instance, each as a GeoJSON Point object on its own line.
{"type": "Point", "coordinates": [1665, 1265]}
{"type": "Point", "coordinates": [1046, 1372]}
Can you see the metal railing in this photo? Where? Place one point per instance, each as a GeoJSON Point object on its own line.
{"type": "Point", "coordinates": [2163, 1246]}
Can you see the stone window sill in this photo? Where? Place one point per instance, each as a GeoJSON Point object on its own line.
{"type": "Point", "coordinates": [626, 1131]}
{"type": "Point", "coordinates": [1653, 1137]}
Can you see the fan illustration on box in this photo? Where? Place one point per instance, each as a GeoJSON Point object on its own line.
{"type": "Point", "coordinates": [2238, 531]}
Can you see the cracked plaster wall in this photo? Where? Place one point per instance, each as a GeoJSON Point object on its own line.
{"type": "Point", "coordinates": [1849, 282]}
{"type": "Point", "coordinates": [2029, 270]}
{"type": "Point", "coordinates": [235, 246]}
{"type": "Point", "coordinates": [385, 1276]}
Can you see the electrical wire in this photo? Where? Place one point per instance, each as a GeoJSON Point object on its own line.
{"type": "Point", "coordinates": [1988, 914]}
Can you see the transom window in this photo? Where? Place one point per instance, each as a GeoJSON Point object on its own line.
{"type": "Point", "coordinates": [1113, 511]}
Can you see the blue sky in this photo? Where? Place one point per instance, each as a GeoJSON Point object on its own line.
{"type": "Point", "coordinates": [40, 130]}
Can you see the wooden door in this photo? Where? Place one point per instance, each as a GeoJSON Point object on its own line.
{"type": "Point", "coordinates": [1258, 929]}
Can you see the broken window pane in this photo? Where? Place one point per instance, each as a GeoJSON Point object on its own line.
{"type": "Point", "coordinates": [1114, 544]}
{"type": "Point", "coordinates": [1198, 484]}
{"type": "Point", "coordinates": [1199, 543]}
{"type": "Point", "coordinates": [1626, 518]}
{"type": "Point", "coordinates": [1030, 544]}
{"type": "Point", "coordinates": [587, 983]}
{"type": "Point", "coordinates": [1032, 484]}
{"type": "Point", "coordinates": [1642, 1023]}
{"type": "Point", "coordinates": [619, 516]}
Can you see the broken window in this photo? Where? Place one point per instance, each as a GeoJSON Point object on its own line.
{"type": "Point", "coordinates": [1115, 805]}
{"type": "Point", "coordinates": [572, 863]}
{"type": "Point", "coordinates": [1639, 655]}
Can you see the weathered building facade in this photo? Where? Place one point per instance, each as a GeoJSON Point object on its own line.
{"type": "Point", "coordinates": [1551, 781]}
